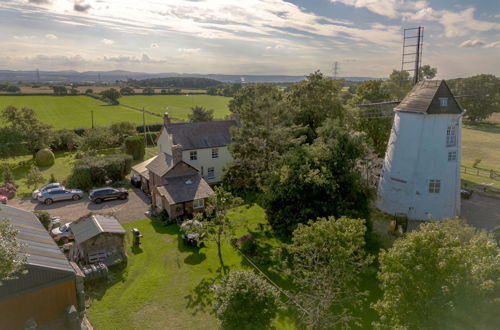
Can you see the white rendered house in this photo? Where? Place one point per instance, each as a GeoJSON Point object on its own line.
{"type": "Point", "coordinates": [421, 171]}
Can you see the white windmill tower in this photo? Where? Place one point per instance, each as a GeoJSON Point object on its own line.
{"type": "Point", "coordinates": [421, 171]}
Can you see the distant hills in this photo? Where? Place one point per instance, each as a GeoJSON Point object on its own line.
{"type": "Point", "coordinates": [111, 76]}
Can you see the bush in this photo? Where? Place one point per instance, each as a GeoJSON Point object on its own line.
{"type": "Point", "coordinates": [8, 190]}
{"type": "Point", "coordinates": [7, 175]}
{"type": "Point", "coordinates": [64, 140]}
{"type": "Point", "coordinates": [247, 245]}
{"type": "Point", "coordinates": [476, 162]}
{"type": "Point", "coordinates": [122, 129]}
{"type": "Point", "coordinates": [44, 218]}
{"type": "Point", "coordinates": [52, 178]}
{"type": "Point", "coordinates": [45, 157]}
{"type": "Point", "coordinates": [134, 146]}
{"type": "Point", "coordinates": [98, 138]}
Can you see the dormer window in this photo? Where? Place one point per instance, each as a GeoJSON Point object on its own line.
{"type": "Point", "coordinates": [443, 101]}
{"type": "Point", "coordinates": [193, 155]}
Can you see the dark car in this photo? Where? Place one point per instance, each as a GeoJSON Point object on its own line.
{"type": "Point", "coordinates": [101, 194]}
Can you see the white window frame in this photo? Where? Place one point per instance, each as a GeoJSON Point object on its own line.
{"type": "Point", "coordinates": [452, 156]}
{"type": "Point", "coordinates": [198, 203]}
{"type": "Point", "coordinates": [215, 152]}
{"type": "Point", "coordinates": [443, 101]}
{"type": "Point", "coordinates": [212, 171]}
{"type": "Point", "coordinates": [451, 136]}
{"type": "Point", "coordinates": [434, 186]}
{"type": "Point", "coordinates": [193, 155]}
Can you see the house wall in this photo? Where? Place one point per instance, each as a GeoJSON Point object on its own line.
{"type": "Point", "coordinates": [44, 306]}
{"type": "Point", "coordinates": [164, 143]}
{"type": "Point", "coordinates": [416, 153]}
{"type": "Point", "coordinates": [205, 161]}
{"type": "Point", "coordinates": [113, 244]}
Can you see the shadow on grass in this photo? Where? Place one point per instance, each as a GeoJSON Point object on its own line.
{"type": "Point", "coordinates": [201, 297]}
{"type": "Point", "coordinates": [484, 127]}
{"type": "Point", "coordinates": [136, 249]}
{"type": "Point", "coordinates": [97, 289]}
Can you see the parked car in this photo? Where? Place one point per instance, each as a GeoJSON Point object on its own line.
{"type": "Point", "coordinates": [466, 193]}
{"type": "Point", "coordinates": [49, 186]}
{"type": "Point", "coordinates": [3, 199]}
{"type": "Point", "coordinates": [59, 194]}
{"type": "Point", "coordinates": [101, 194]}
{"type": "Point", "coordinates": [63, 233]}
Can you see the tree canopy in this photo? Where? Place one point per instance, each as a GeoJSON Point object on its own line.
{"type": "Point", "coordinates": [111, 95]}
{"type": "Point", "coordinates": [200, 114]}
{"type": "Point", "coordinates": [12, 257]}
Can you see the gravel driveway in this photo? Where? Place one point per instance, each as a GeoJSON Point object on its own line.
{"type": "Point", "coordinates": [128, 210]}
{"type": "Point", "coordinates": [482, 211]}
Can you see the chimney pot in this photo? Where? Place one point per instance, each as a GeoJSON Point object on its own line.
{"type": "Point", "coordinates": [166, 119]}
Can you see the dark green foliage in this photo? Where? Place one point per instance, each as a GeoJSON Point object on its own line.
{"type": "Point", "coordinates": [7, 175]}
{"type": "Point", "coordinates": [64, 140]}
{"type": "Point", "coordinates": [398, 84]}
{"type": "Point", "coordinates": [44, 218]}
{"type": "Point", "coordinates": [134, 146]}
{"type": "Point", "coordinates": [127, 91]}
{"type": "Point", "coordinates": [12, 89]}
{"type": "Point", "coordinates": [45, 157]}
{"type": "Point", "coordinates": [111, 95]}
{"type": "Point", "coordinates": [178, 82]}
{"type": "Point", "coordinates": [94, 171]}
{"type": "Point", "coordinates": [89, 91]}
{"type": "Point", "coordinates": [74, 91]}
{"type": "Point", "coordinates": [12, 143]}
{"type": "Point", "coordinates": [97, 139]}
{"type": "Point", "coordinates": [244, 300]}
{"type": "Point", "coordinates": [228, 89]}
{"type": "Point", "coordinates": [122, 129]}
{"type": "Point", "coordinates": [200, 114]}
{"type": "Point", "coordinates": [34, 177]}
{"type": "Point", "coordinates": [52, 178]}
{"type": "Point", "coordinates": [60, 90]}
{"type": "Point", "coordinates": [148, 91]}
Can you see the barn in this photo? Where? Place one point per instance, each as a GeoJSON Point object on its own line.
{"type": "Point", "coordinates": [46, 288]}
{"type": "Point", "coordinates": [98, 238]}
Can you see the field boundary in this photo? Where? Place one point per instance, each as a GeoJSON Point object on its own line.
{"type": "Point", "coordinates": [480, 172]}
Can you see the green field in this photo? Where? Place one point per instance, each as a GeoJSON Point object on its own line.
{"type": "Point", "coordinates": [75, 111]}
{"type": "Point", "coordinates": [178, 106]}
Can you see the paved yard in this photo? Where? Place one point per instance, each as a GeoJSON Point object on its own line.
{"type": "Point", "coordinates": [128, 210]}
{"type": "Point", "coordinates": [482, 211]}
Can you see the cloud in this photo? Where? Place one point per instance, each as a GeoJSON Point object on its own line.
{"type": "Point", "coordinates": [495, 44]}
{"type": "Point", "coordinates": [51, 36]}
{"type": "Point", "coordinates": [154, 45]}
{"type": "Point", "coordinates": [473, 43]}
{"type": "Point", "coordinates": [81, 6]}
{"type": "Point", "coordinates": [40, 2]}
{"type": "Point", "coordinates": [387, 8]}
{"type": "Point", "coordinates": [132, 59]}
{"type": "Point", "coordinates": [188, 50]}
{"type": "Point", "coordinates": [61, 61]}
{"type": "Point", "coordinates": [107, 41]}
{"type": "Point", "coordinates": [24, 37]}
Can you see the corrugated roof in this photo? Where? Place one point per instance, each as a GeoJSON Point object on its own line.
{"type": "Point", "coordinates": [185, 188]}
{"type": "Point", "coordinates": [161, 164]}
{"type": "Point", "coordinates": [425, 98]}
{"type": "Point", "coordinates": [201, 135]}
{"type": "Point", "coordinates": [93, 225]}
{"type": "Point", "coordinates": [142, 169]}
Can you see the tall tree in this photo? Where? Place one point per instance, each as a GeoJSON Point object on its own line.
{"type": "Point", "coordinates": [60, 90]}
{"type": "Point", "coordinates": [443, 276]}
{"type": "Point", "coordinates": [398, 84]}
{"type": "Point", "coordinates": [313, 100]}
{"type": "Point", "coordinates": [12, 257]}
{"type": "Point", "coordinates": [199, 114]}
{"type": "Point", "coordinates": [12, 142]}
{"type": "Point", "coordinates": [24, 122]}
{"type": "Point", "coordinates": [427, 72]}
{"type": "Point", "coordinates": [111, 95]}
{"type": "Point", "coordinates": [325, 261]}
{"type": "Point", "coordinates": [34, 177]}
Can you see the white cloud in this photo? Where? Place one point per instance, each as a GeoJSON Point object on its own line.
{"type": "Point", "coordinates": [188, 50]}
{"type": "Point", "coordinates": [154, 45]}
{"type": "Point", "coordinates": [51, 36]}
{"type": "Point", "coordinates": [107, 41]}
{"type": "Point", "coordinates": [24, 37]}
{"type": "Point", "coordinates": [388, 8]}
{"type": "Point", "coordinates": [473, 43]}
{"type": "Point", "coordinates": [495, 44]}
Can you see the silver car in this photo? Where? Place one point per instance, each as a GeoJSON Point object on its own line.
{"type": "Point", "coordinates": [54, 185]}
{"type": "Point", "coordinates": [59, 194]}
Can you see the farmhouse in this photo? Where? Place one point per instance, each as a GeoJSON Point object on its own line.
{"type": "Point", "coordinates": [44, 291]}
{"type": "Point", "coordinates": [98, 238]}
{"type": "Point", "coordinates": [421, 171]}
{"type": "Point", "coordinates": [204, 145]}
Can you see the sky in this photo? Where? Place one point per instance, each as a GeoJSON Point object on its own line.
{"type": "Point", "coordinates": [270, 37]}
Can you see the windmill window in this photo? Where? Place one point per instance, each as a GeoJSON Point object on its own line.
{"type": "Point", "coordinates": [434, 186]}
{"type": "Point", "coordinates": [451, 136]}
{"type": "Point", "coordinates": [193, 155]}
{"type": "Point", "coordinates": [443, 101]}
{"type": "Point", "coordinates": [452, 156]}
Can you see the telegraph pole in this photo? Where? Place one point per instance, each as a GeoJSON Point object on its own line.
{"type": "Point", "coordinates": [144, 128]}
{"type": "Point", "coordinates": [92, 117]}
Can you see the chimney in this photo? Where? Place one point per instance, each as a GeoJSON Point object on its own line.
{"type": "Point", "coordinates": [166, 119]}
{"type": "Point", "coordinates": [176, 153]}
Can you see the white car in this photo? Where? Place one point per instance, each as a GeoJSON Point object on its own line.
{"type": "Point", "coordinates": [37, 192]}
{"type": "Point", "coordinates": [62, 234]}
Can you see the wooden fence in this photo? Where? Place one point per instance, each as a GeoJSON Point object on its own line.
{"type": "Point", "coordinates": [481, 172]}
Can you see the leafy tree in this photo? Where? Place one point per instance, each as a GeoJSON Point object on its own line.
{"type": "Point", "coordinates": [148, 91]}
{"type": "Point", "coordinates": [134, 146]}
{"type": "Point", "coordinates": [127, 91]}
{"type": "Point", "coordinates": [244, 300]}
{"type": "Point", "coordinates": [313, 100]}
{"type": "Point", "coordinates": [97, 139]}
{"type": "Point", "coordinates": [12, 142]}
{"type": "Point", "coordinates": [111, 95]}
{"type": "Point", "coordinates": [74, 91]}
{"type": "Point", "coordinates": [122, 129]}
{"type": "Point", "coordinates": [398, 85]}
{"type": "Point", "coordinates": [377, 130]}
{"type": "Point", "coordinates": [163, 91]}
{"type": "Point", "coordinates": [7, 175]}
{"type": "Point", "coordinates": [64, 140]}
{"type": "Point", "coordinates": [482, 95]}
{"type": "Point", "coordinates": [427, 72]}
{"type": "Point", "coordinates": [89, 91]}
{"type": "Point", "coordinates": [60, 90]}
{"type": "Point", "coordinates": [52, 178]}
{"type": "Point", "coordinates": [12, 257]}
{"type": "Point", "coordinates": [178, 82]}
{"type": "Point", "coordinates": [443, 276]}
{"type": "Point", "coordinates": [26, 125]}
{"type": "Point", "coordinates": [12, 89]}
{"type": "Point", "coordinates": [44, 218]}
{"type": "Point", "coordinates": [325, 261]}
{"type": "Point", "coordinates": [318, 180]}
{"type": "Point", "coordinates": [200, 114]}
{"type": "Point", "coordinates": [34, 177]}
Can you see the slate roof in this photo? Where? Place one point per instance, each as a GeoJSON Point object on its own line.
{"type": "Point", "coordinates": [46, 264]}
{"type": "Point", "coordinates": [141, 168]}
{"type": "Point", "coordinates": [201, 135]}
{"type": "Point", "coordinates": [424, 98]}
{"type": "Point", "coordinates": [185, 188]}
{"type": "Point", "coordinates": [161, 164]}
{"type": "Point", "coordinates": [87, 227]}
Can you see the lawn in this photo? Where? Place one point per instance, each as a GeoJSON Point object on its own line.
{"type": "Point", "coordinates": [178, 106]}
{"type": "Point", "coordinates": [75, 111]}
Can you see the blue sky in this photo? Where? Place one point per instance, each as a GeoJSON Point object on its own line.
{"type": "Point", "coordinates": [462, 37]}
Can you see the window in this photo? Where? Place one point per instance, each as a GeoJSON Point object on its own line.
{"type": "Point", "coordinates": [215, 153]}
{"type": "Point", "coordinates": [452, 156]}
{"type": "Point", "coordinates": [198, 203]}
{"type": "Point", "coordinates": [443, 101]}
{"type": "Point", "coordinates": [451, 136]}
{"type": "Point", "coordinates": [211, 172]}
{"type": "Point", "coordinates": [434, 186]}
{"type": "Point", "coordinates": [193, 155]}
{"type": "Point", "coordinates": [158, 202]}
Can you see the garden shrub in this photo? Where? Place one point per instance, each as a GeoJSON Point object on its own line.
{"type": "Point", "coordinates": [44, 218]}
{"type": "Point", "coordinates": [45, 157]}
{"type": "Point", "coordinates": [64, 140]}
{"type": "Point", "coordinates": [8, 190]}
{"type": "Point", "coordinates": [7, 175]}
{"type": "Point", "coordinates": [247, 245]}
{"type": "Point", "coordinates": [134, 146]}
